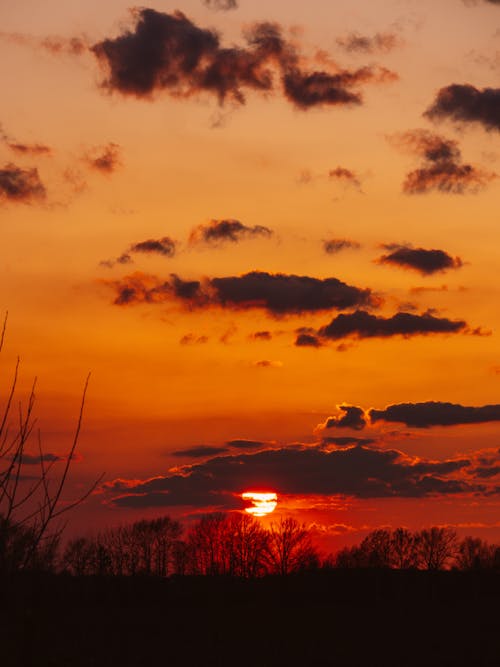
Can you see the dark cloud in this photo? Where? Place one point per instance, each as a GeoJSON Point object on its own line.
{"type": "Point", "coordinates": [261, 335]}
{"type": "Point", "coordinates": [125, 258]}
{"type": "Point", "coordinates": [346, 176]}
{"type": "Point", "coordinates": [21, 185]}
{"type": "Point", "coordinates": [447, 177]}
{"type": "Point", "coordinates": [435, 413]}
{"type": "Point", "coordinates": [333, 246]}
{"type": "Point", "coordinates": [467, 104]}
{"type": "Point", "coordinates": [359, 471]}
{"type": "Point", "coordinates": [346, 441]}
{"type": "Point", "coordinates": [105, 159]}
{"type": "Point", "coordinates": [169, 53]}
{"type": "Point", "coordinates": [246, 444]}
{"type": "Point", "coordinates": [424, 261]}
{"type": "Point", "coordinates": [221, 5]}
{"type": "Point", "coordinates": [30, 149]}
{"type": "Point", "coordinates": [203, 451]}
{"type": "Point", "coordinates": [307, 340]}
{"type": "Point", "coordinates": [361, 324]}
{"type": "Point", "coordinates": [193, 339]}
{"type": "Point", "coordinates": [36, 459]}
{"type": "Point", "coordinates": [267, 363]}
{"type": "Point", "coordinates": [164, 246]}
{"type": "Point", "coordinates": [353, 417]}
{"type": "Point", "coordinates": [443, 169]}
{"type": "Point", "coordinates": [278, 294]}
{"type": "Point", "coordinates": [217, 231]}
{"type": "Point", "coordinates": [379, 43]}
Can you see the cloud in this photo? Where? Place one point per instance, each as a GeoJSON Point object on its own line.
{"type": "Point", "coordinates": [442, 169]}
{"type": "Point", "coordinates": [435, 413]}
{"type": "Point", "coordinates": [105, 159]}
{"type": "Point", "coordinates": [36, 459]}
{"type": "Point", "coordinates": [278, 293]}
{"type": "Point", "coordinates": [218, 231]}
{"type": "Point", "coordinates": [73, 46]}
{"type": "Point", "coordinates": [465, 103]}
{"type": "Point", "coordinates": [202, 451]}
{"type": "Point", "coordinates": [30, 149]}
{"type": "Point", "coordinates": [345, 176]}
{"type": "Point", "coordinates": [358, 471]}
{"type": "Point", "coordinates": [246, 444]}
{"type": "Point", "coordinates": [261, 335]}
{"type": "Point", "coordinates": [221, 5]}
{"type": "Point", "coordinates": [380, 42]}
{"type": "Point", "coordinates": [164, 246]}
{"type": "Point", "coordinates": [21, 185]}
{"type": "Point", "coordinates": [345, 441]}
{"type": "Point", "coordinates": [424, 261]}
{"type": "Point", "coordinates": [267, 363]}
{"type": "Point", "coordinates": [353, 417]}
{"type": "Point", "coordinates": [362, 324]}
{"type": "Point", "coordinates": [333, 246]}
{"type": "Point", "coordinates": [193, 339]}
{"type": "Point", "coordinates": [307, 340]}
{"type": "Point", "coordinates": [168, 53]}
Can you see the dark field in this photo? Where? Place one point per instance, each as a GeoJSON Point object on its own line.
{"type": "Point", "coordinates": [342, 618]}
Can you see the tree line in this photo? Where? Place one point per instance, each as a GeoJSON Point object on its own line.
{"type": "Point", "coordinates": [237, 545]}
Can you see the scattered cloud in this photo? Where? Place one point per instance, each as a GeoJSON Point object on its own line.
{"type": "Point", "coordinates": [73, 46]}
{"type": "Point", "coordinates": [362, 324]}
{"type": "Point", "coordinates": [345, 176]}
{"type": "Point", "coordinates": [219, 231]}
{"type": "Point", "coordinates": [165, 247]}
{"type": "Point", "coordinates": [380, 42]}
{"type": "Point", "coordinates": [443, 169]}
{"type": "Point", "coordinates": [465, 103]}
{"type": "Point", "coordinates": [267, 363]}
{"type": "Point", "coordinates": [202, 451]}
{"type": "Point", "coordinates": [105, 159]}
{"type": "Point", "coordinates": [30, 149]}
{"type": "Point", "coordinates": [435, 413]}
{"type": "Point", "coordinates": [352, 417]}
{"type": "Point", "coordinates": [278, 293]}
{"type": "Point", "coordinates": [221, 5]}
{"type": "Point", "coordinates": [168, 53]}
{"type": "Point", "coordinates": [424, 261]}
{"type": "Point", "coordinates": [261, 335]}
{"type": "Point", "coordinates": [19, 185]}
{"type": "Point", "coordinates": [307, 340]}
{"type": "Point", "coordinates": [193, 339]}
{"type": "Point", "coordinates": [333, 246]}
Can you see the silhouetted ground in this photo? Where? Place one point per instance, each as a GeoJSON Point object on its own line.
{"type": "Point", "coordinates": [347, 618]}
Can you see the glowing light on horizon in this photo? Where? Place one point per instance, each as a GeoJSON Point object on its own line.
{"type": "Point", "coordinates": [262, 503]}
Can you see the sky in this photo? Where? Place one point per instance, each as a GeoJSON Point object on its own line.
{"type": "Point", "coordinates": [269, 230]}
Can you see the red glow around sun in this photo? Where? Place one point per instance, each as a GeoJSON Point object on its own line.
{"type": "Point", "coordinates": [262, 503]}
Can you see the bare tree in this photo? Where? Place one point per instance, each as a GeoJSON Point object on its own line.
{"type": "Point", "coordinates": [290, 548]}
{"type": "Point", "coordinates": [435, 547]}
{"type": "Point", "coordinates": [403, 552]}
{"type": "Point", "coordinates": [475, 554]}
{"type": "Point", "coordinates": [30, 506]}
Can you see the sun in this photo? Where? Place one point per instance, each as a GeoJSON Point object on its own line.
{"type": "Point", "coordinates": [262, 503]}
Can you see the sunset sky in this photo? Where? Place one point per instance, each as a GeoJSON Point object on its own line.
{"type": "Point", "coordinates": [270, 231]}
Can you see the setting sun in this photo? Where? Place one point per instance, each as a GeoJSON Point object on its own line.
{"type": "Point", "coordinates": [262, 503]}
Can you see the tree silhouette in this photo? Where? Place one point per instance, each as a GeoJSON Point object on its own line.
{"type": "Point", "coordinates": [290, 548]}
{"type": "Point", "coordinates": [30, 506]}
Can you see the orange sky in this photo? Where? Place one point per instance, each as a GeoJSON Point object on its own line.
{"type": "Point", "coordinates": [217, 143]}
